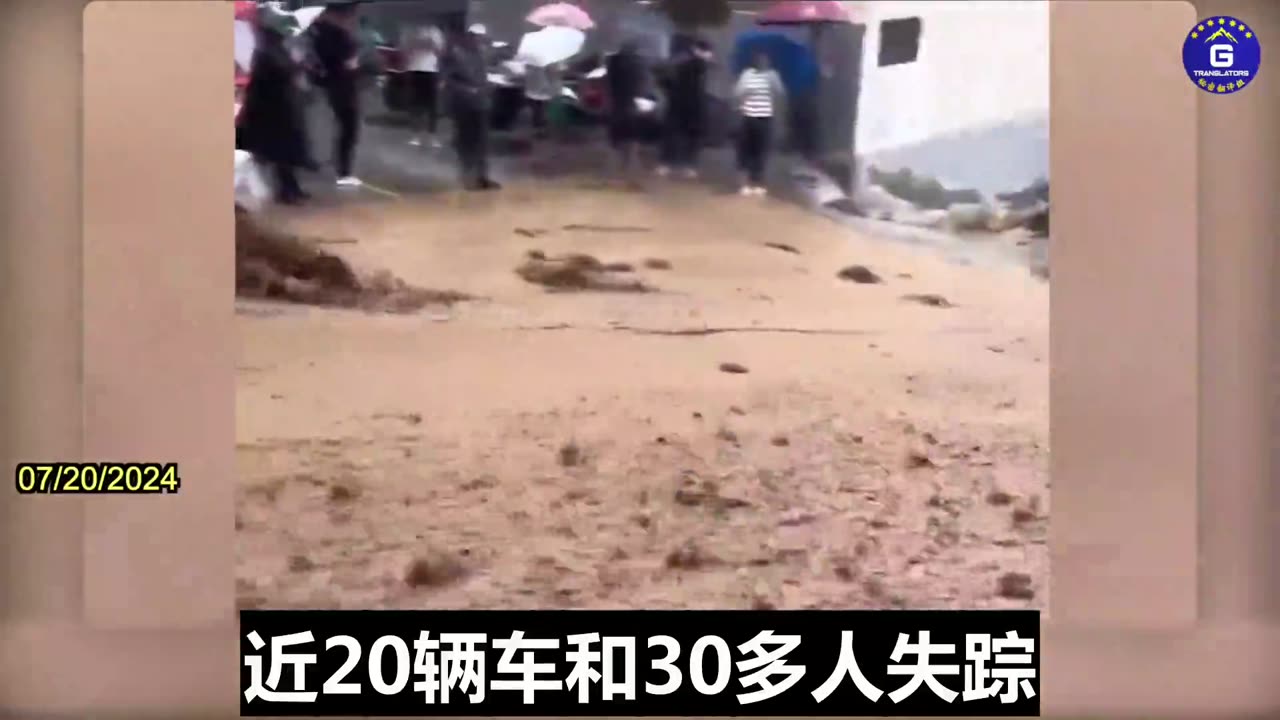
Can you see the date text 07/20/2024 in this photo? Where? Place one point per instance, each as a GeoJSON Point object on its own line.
{"type": "Point", "coordinates": [64, 478]}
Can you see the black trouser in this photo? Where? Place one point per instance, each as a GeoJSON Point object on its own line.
{"type": "Point", "coordinates": [681, 140]}
{"type": "Point", "coordinates": [804, 127]}
{"type": "Point", "coordinates": [471, 140]}
{"type": "Point", "coordinates": [346, 111]}
{"type": "Point", "coordinates": [538, 113]}
{"type": "Point", "coordinates": [287, 186]}
{"type": "Point", "coordinates": [754, 139]}
{"type": "Point", "coordinates": [423, 91]}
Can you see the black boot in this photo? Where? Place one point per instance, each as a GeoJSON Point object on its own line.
{"type": "Point", "coordinates": [288, 191]}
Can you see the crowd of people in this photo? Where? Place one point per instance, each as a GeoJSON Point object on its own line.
{"type": "Point", "coordinates": [453, 70]}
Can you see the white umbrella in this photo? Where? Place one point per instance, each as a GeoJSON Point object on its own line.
{"type": "Point", "coordinates": [550, 45]}
{"type": "Point", "coordinates": [305, 16]}
{"type": "Point", "coordinates": [245, 41]}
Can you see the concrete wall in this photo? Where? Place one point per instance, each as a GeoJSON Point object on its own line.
{"type": "Point", "coordinates": [973, 109]}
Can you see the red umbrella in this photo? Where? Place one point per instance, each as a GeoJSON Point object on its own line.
{"type": "Point", "coordinates": [246, 10]}
{"type": "Point", "coordinates": [804, 12]}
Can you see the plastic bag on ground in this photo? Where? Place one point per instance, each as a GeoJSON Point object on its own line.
{"type": "Point", "coordinates": [251, 189]}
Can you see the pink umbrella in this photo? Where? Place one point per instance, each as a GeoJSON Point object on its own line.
{"type": "Point", "coordinates": [246, 10]}
{"type": "Point", "coordinates": [804, 12]}
{"type": "Point", "coordinates": [561, 14]}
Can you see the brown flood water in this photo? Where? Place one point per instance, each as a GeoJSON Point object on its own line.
{"type": "Point", "coordinates": [546, 450]}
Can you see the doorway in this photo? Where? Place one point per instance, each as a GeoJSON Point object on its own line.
{"type": "Point", "coordinates": [839, 50]}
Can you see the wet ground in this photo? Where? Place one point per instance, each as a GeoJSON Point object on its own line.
{"type": "Point", "coordinates": [755, 432]}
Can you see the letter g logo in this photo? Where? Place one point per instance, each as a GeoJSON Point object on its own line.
{"type": "Point", "coordinates": [1221, 56]}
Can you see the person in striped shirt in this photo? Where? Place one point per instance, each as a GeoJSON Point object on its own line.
{"type": "Point", "coordinates": [758, 92]}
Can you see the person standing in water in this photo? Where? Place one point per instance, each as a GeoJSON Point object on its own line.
{"type": "Point", "coordinates": [422, 46]}
{"type": "Point", "coordinates": [271, 125]}
{"type": "Point", "coordinates": [466, 78]}
{"type": "Point", "coordinates": [758, 92]}
{"type": "Point", "coordinates": [335, 39]}
{"type": "Point", "coordinates": [686, 83]}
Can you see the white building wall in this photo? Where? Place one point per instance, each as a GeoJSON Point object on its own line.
{"type": "Point", "coordinates": [973, 108]}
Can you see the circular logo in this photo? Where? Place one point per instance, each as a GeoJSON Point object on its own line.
{"type": "Point", "coordinates": [1221, 55]}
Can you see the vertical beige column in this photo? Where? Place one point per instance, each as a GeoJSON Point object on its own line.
{"type": "Point", "coordinates": [1124, 312]}
{"type": "Point", "coordinates": [1240, 502]}
{"type": "Point", "coordinates": [133, 593]}
{"type": "Point", "coordinates": [40, 316]}
{"type": "Point", "coordinates": [159, 339]}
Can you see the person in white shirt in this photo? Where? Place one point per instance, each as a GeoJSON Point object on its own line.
{"type": "Point", "coordinates": [422, 47]}
{"type": "Point", "coordinates": [759, 91]}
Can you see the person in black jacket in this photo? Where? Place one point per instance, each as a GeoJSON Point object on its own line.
{"type": "Point", "coordinates": [335, 41]}
{"type": "Point", "coordinates": [626, 81]}
{"type": "Point", "coordinates": [466, 78]}
{"type": "Point", "coordinates": [271, 124]}
{"type": "Point", "coordinates": [685, 84]}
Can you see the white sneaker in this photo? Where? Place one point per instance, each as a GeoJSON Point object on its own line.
{"type": "Point", "coordinates": [435, 143]}
{"type": "Point", "coordinates": [747, 191]}
{"type": "Point", "coordinates": [349, 181]}
{"type": "Point", "coordinates": [760, 191]}
{"type": "Point", "coordinates": [415, 142]}
{"type": "Point", "coordinates": [690, 174]}
{"type": "Point", "coordinates": [663, 171]}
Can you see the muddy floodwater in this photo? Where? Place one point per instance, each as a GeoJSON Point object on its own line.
{"type": "Point", "coordinates": [756, 429]}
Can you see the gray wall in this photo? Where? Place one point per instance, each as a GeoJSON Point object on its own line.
{"type": "Point", "coordinates": [1002, 158]}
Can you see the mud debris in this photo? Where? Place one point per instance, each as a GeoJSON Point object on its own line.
{"type": "Point", "coordinates": [301, 563]}
{"type": "Point", "coordinates": [570, 455]}
{"type": "Point", "coordinates": [999, 498]}
{"type": "Point", "coordinates": [274, 265]}
{"type": "Point", "coordinates": [578, 272]}
{"type": "Point", "coordinates": [433, 568]}
{"type": "Point", "coordinates": [1015, 586]}
{"type": "Point", "coordinates": [860, 274]}
{"type": "Point", "coordinates": [928, 299]}
{"type": "Point", "coordinates": [690, 556]}
{"type": "Point", "coordinates": [344, 491]}
{"type": "Point", "coordinates": [581, 227]}
{"type": "Point", "coordinates": [917, 460]}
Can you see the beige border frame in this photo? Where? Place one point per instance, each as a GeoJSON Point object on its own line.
{"type": "Point", "coordinates": [1162, 596]}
